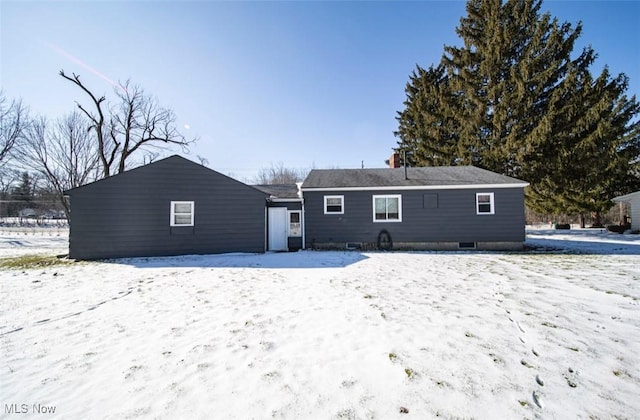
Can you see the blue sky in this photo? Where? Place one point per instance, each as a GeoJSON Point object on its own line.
{"type": "Point", "coordinates": [299, 83]}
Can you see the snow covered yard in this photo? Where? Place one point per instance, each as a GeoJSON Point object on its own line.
{"type": "Point", "coordinates": [346, 335]}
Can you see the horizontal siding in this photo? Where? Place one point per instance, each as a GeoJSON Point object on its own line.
{"type": "Point", "coordinates": [635, 213]}
{"type": "Point", "coordinates": [129, 215]}
{"type": "Point", "coordinates": [454, 219]}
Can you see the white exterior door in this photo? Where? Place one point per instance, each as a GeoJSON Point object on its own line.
{"type": "Point", "coordinates": [278, 229]}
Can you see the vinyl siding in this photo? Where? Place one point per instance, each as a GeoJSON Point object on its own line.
{"type": "Point", "coordinates": [427, 216]}
{"type": "Point", "coordinates": [128, 215]}
{"type": "Point", "coordinates": [635, 212]}
{"type": "Point", "coordinates": [294, 243]}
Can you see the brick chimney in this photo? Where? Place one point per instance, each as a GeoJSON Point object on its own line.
{"type": "Point", "coordinates": [394, 160]}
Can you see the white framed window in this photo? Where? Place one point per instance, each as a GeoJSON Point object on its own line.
{"type": "Point", "coordinates": [295, 223]}
{"type": "Point", "coordinates": [334, 204]}
{"type": "Point", "coordinates": [182, 213]}
{"type": "Point", "coordinates": [485, 203]}
{"type": "Point", "coordinates": [387, 208]}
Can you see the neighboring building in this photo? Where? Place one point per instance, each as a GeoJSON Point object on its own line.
{"type": "Point", "coordinates": [30, 213]}
{"type": "Point", "coordinates": [634, 203]}
{"type": "Point", "coordinates": [285, 217]}
{"type": "Point", "coordinates": [169, 207]}
{"type": "Point", "coordinates": [460, 207]}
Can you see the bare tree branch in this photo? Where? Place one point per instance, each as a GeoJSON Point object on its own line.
{"type": "Point", "coordinates": [63, 153]}
{"type": "Point", "coordinates": [136, 125]}
{"type": "Point", "coordinates": [279, 174]}
{"type": "Point", "coordinates": [13, 119]}
{"type": "Point", "coordinates": [98, 121]}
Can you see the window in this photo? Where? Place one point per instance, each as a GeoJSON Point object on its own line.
{"type": "Point", "coordinates": [484, 203]}
{"type": "Point", "coordinates": [182, 213]}
{"type": "Point", "coordinates": [387, 208]}
{"type": "Point", "coordinates": [334, 204]}
{"type": "Point", "coordinates": [295, 225]}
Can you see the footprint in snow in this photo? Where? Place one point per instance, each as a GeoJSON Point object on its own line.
{"type": "Point", "coordinates": [571, 376]}
{"type": "Point", "coordinates": [537, 398]}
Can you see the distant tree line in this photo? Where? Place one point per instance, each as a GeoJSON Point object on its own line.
{"type": "Point", "coordinates": [279, 174]}
{"type": "Point", "coordinates": [513, 99]}
{"type": "Point", "coordinates": [103, 138]}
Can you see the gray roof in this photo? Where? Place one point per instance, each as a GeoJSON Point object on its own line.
{"type": "Point", "coordinates": [627, 198]}
{"type": "Point", "coordinates": [437, 176]}
{"type": "Point", "coordinates": [279, 190]}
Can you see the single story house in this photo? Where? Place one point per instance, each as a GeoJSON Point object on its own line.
{"type": "Point", "coordinates": [634, 203]}
{"type": "Point", "coordinates": [285, 210]}
{"type": "Point", "coordinates": [169, 207]}
{"type": "Point", "coordinates": [458, 207]}
{"type": "Point", "coordinates": [176, 207]}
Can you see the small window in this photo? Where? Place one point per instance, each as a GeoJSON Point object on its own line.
{"type": "Point", "coordinates": [182, 213]}
{"type": "Point", "coordinates": [387, 208]}
{"type": "Point", "coordinates": [295, 225]}
{"type": "Point", "coordinates": [484, 203]}
{"type": "Point", "coordinates": [334, 204]}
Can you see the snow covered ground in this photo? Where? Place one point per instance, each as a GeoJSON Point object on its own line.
{"type": "Point", "coordinates": [553, 332]}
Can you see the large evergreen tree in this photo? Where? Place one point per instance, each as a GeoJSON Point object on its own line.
{"type": "Point", "coordinates": [426, 123]}
{"type": "Point", "coordinates": [512, 99]}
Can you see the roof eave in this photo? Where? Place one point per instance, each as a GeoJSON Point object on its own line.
{"type": "Point", "coordinates": [419, 187]}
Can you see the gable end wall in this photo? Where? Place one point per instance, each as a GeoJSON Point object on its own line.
{"type": "Point", "coordinates": [129, 215]}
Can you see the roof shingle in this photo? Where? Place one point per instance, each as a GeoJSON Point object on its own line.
{"type": "Point", "coordinates": [437, 176]}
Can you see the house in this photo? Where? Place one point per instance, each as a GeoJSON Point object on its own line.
{"type": "Point", "coordinates": [169, 207]}
{"type": "Point", "coordinates": [176, 207]}
{"type": "Point", "coordinates": [634, 203]}
{"type": "Point", "coordinates": [285, 217]}
{"type": "Point", "coordinates": [461, 207]}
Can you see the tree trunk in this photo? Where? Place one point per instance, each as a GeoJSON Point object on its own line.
{"type": "Point", "coordinates": [597, 219]}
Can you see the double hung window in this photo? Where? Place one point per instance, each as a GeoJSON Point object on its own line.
{"type": "Point", "coordinates": [182, 213]}
{"type": "Point", "coordinates": [484, 203]}
{"type": "Point", "coordinates": [334, 204]}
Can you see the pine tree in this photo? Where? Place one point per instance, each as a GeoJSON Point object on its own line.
{"type": "Point", "coordinates": [427, 130]}
{"type": "Point", "coordinates": [513, 100]}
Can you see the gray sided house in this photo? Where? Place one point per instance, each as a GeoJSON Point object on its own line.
{"type": "Point", "coordinates": [285, 217]}
{"type": "Point", "coordinates": [169, 207]}
{"type": "Point", "coordinates": [634, 204]}
{"type": "Point", "coordinates": [460, 207]}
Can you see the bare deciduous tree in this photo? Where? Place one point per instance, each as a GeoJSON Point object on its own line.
{"type": "Point", "coordinates": [13, 118]}
{"type": "Point", "coordinates": [137, 124]}
{"type": "Point", "coordinates": [63, 153]}
{"type": "Point", "coordinates": [203, 160]}
{"type": "Point", "coordinates": [8, 179]}
{"type": "Point", "coordinates": [279, 174]}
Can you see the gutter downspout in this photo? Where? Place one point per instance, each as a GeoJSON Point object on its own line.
{"type": "Point", "coordinates": [304, 226]}
{"type": "Point", "coordinates": [266, 225]}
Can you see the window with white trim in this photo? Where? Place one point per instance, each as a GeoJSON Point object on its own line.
{"type": "Point", "coordinates": [387, 208]}
{"type": "Point", "coordinates": [485, 203]}
{"type": "Point", "coordinates": [182, 213]}
{"type": "Point", "coordinates": [295, 223]}
{"type": "Point", "coordinates": [334, 204]}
